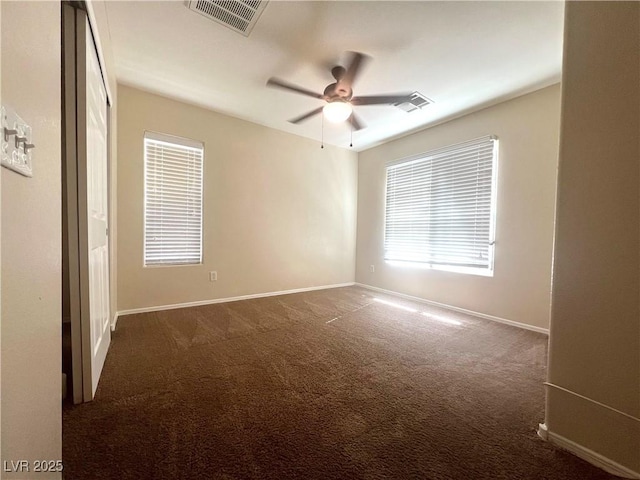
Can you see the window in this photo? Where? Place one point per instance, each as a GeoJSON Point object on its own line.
{"type": "Point", "coordinates": [440, 208]}
{"type": "Point", "coordinates": [172, 200]}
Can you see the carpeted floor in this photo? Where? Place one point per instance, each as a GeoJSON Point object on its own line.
{"type": "Point", "coordinates": [333, 384]}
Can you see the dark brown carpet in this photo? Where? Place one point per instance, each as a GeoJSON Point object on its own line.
{"type": "Point", "coordinates": [330, 384]}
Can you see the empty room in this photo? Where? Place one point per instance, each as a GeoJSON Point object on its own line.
{"type": "Point", "coordinates": [266, 239]}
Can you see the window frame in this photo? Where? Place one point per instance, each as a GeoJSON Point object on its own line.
{"type": "Point", "coordinates": [480, 271]}
{"type": "Point", "coordinates": [175, 141]}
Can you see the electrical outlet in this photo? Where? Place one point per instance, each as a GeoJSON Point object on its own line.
{"type": "Point", "coordinates": [213, 276]}
{"type": "Point", "coordinates": [372, 268]}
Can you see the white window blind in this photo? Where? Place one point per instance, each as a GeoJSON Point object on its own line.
{"type": "Point", "coordinates": [172, 200]}
{"type": "Point", "coordinates": [440, 207]}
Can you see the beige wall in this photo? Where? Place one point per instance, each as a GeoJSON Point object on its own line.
{"type": "Point", "coordinates": [279, 212]}
{"type": "Point", "coordinates": [595, 324]}
{"type": "Point", "coordinates": [31, 240]}
{"type": "Point", "coordinates": [519, 291]}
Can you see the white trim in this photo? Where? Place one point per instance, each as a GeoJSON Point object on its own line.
{"type": "Point", "coordinates": [483, 272]}
{"type": "Point", "coordinates": [458, 309]}
{"type": "Point", "coordinates": [587, 454]}
{"type": "Point", "coordinates": [543, 431]}
{"type": "Point", "coordinates": [228, 299]}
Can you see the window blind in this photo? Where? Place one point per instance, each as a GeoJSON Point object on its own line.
{"type": "Point", "coordinates": [440, 206]}
{"type": "Point", "coordinates": [172, 200]}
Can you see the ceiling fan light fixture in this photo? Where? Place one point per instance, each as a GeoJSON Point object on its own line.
{"type": "Point", "coordinates": [337, 111]}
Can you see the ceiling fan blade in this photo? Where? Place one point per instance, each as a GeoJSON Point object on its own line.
{"type": "Point", "coordinates": [381, 99]}
{"type": "Point", "coordinates": [306, 115]}
{"type": "Point", "coordinates": [356, 122]}
{"type": "Point", "coordinates": [274, 82]}
{"type": "Point", "coordinates": [352, 70]}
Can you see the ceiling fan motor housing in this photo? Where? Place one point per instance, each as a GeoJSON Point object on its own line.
{"type": "Point", "coordinates": [335, 91]}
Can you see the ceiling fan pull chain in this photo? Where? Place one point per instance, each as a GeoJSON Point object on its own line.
{"type": "Point", "coordinates": [351, 141]}
{"type": "Point", "coordinates": [322, 133]}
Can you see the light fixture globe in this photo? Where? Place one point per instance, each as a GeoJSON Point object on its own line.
{"type": "Point", "coordinates": [337, 111]}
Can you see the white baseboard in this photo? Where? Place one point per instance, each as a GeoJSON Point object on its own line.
{"type": "Point", "coordinates": [322, 287]}
{"type": "Point", "coordinates": [224, 300]}
{"type": "Point", "coordinates": [543, 431]}
{"type": "Point", "coordinates": [586, 454]}
{"type": "Point", "coordinates": [458, 309]}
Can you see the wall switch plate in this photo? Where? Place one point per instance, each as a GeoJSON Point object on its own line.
{"type": "Point", "coordinates": [213, 276]}
{"type": "Point", "coordinates": [16, 142]}
{"type": "Point", "coordinates": [372, 268]}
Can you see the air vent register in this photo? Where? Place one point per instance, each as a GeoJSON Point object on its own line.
{"type": "Point", "coordinates": [238, 15]}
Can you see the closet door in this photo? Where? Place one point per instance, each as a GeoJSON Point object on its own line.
{"type": "Point", "coordinates": [86, 213]}
{"type": "Point", "coordinates": [93, 160]}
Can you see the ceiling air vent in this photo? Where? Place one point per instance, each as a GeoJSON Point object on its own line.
{"type": "Point", "coordinates": [238, 15]}
{"type": "Point", "coordinates": [417, 101]}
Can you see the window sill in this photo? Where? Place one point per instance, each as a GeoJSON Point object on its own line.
{"type": "Point", "coordinates": [165, 265]}
{"type": "Point", "coordinates": [482, 272]}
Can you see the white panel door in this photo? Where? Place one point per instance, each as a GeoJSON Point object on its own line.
{"type": "Point", "coordinates": [97, 211]}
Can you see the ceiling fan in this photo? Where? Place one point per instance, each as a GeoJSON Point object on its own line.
{"type": "Point", "coordinates": [339, 95]}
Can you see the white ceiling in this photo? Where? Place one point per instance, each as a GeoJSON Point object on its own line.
{"type": "Point", "coordinates": [462, 55]}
